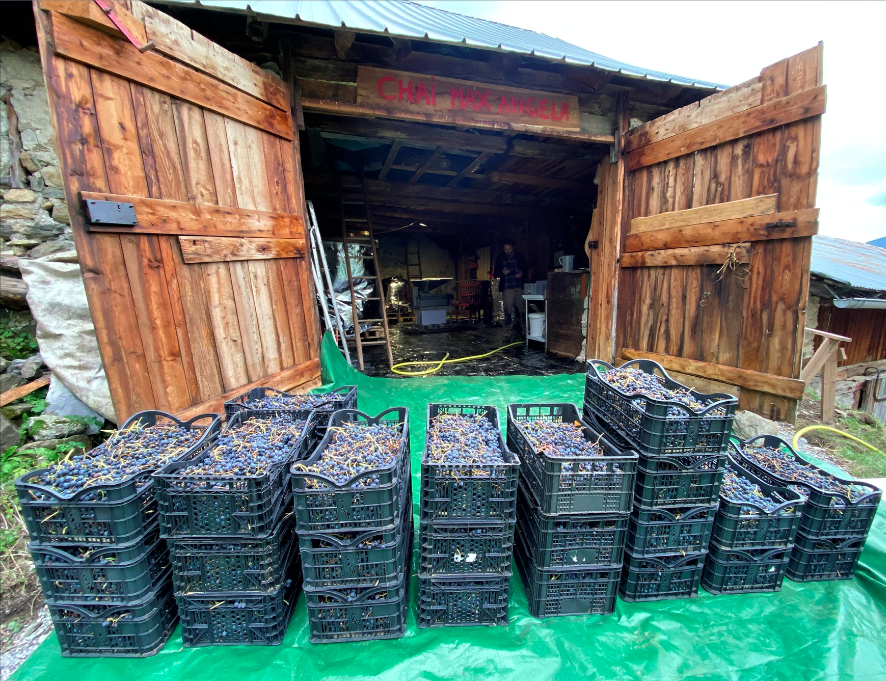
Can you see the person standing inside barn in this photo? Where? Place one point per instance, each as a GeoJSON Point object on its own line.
{"type": "Point", "coordinates": [510, 268]}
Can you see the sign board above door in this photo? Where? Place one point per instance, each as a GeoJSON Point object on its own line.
{"type": "Point", "coordinates": [463, 101]}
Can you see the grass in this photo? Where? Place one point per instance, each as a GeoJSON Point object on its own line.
{"type": "Point", "coordinates": [851, 456]}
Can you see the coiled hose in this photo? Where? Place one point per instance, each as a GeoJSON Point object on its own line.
{"type": "Point", "coordinates": [438, 364]}
{"type": "Point", "coordinates": [800, 432]}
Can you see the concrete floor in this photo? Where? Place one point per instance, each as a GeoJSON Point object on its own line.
{"type": "Point", "coordinates": [462, 341]}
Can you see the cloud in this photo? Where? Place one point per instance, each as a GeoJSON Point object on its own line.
{"type": "Point", "coordinates": [855, 165]}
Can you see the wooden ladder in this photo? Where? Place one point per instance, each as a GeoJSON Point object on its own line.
{"type": "Point", "coordinates": [413, 260]}
{"type": "Point", "coordinates": [356, 228]}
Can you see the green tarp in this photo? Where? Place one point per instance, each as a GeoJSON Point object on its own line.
{"type": "Point", "coordinates": [826, 630]}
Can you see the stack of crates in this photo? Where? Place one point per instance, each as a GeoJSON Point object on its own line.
{"type": "Point", "coordinates": [232, 541]}
{"type": "Point", "coordinates": [572, 516]}
{"type": "Point", "coordinates": [100, 558]}
{"type": "Point", "coordinates": [355, 539]}
{"type": "Point", "coordinates": [836, 517]}
{"type": "Point", "coordinates": [466, 534]}
{"type": "Point", "coordinates": [681, 463]}
{"type": "Point", "coordinates": [753, 535]}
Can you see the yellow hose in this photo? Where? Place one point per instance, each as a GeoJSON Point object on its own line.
{"type": "Point", "coordinates": [833, 430]}
{"type": "Point", "coordinates": [438, 364]}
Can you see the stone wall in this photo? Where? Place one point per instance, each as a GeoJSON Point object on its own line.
{"type": "Point", "coordinates": [34, 220]}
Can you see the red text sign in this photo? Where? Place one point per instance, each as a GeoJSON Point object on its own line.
{"type": "Point", "coordinates": [462, 101]}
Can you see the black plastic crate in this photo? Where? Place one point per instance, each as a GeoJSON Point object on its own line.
{"type": "Point", "coordinates": [114, 513]}
{"type": "Point", "coordinates": [826, 515]}
{"type": "Point", "coordinates": [819, 560]}
{"type": "Point", "coordinates": [675, 481]}
{"type": "Point", "coordinates": [138, 629]}
{"type": "Point", "coordinates": [228, 505]}
{"type": "Point", "coordinates": [573, 484]}
{"type": "Point", "coordinates": [240, 618]}
{"type": "Point", "coordinates": [569, 541]}
{"type": "Point", "coordinates": [90, 573]}
{"type": "Point", "coordinates": [452, 492]}
{"type": "Point", "coordinates": [322, 505]}
{"type": "Point", "coordinates": [554, 593]}
{"type": "Point", "coordinates": [660, 427]}
{"type": "Point", "coordinates": [378, 614]}
{"type": "Point", "coordinates": [748, 526]}
{"type": "Point", "coordinates": [209, 565]}
{"type": "Point", "coordinates": [465, 549]}
{"type": "Point", "coordinates": [463, 601]}
{"type": "Point", "coordinates": [662, 531]}
{"type": "Point", "coordinates": [338, 398]}
{"type": "Point", "coordinates": [661, 577]}
{"type": "Point", "coordinates": [744, 571]}
{"type": "Point", "coordinates": [355, 559]}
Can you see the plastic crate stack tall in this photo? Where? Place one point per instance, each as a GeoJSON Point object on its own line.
{"type": "Point", "coordinates": [466, 534]}
{"type": "Point", "coordinates": [682, 452]}
{"type": "Point", "coordinates": [102, 563]}
{"type": "Point", "coordinates": [355, 537]}
{"type": "Point", "coordinates": [572, 514]}
{"type": "Point", "coordinates": [754, 533]}
{"type": "Point", "coordinates": [836, 517]}
{"type": "Point", "coordinates": [232, 540]}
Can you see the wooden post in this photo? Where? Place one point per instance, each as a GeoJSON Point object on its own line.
{"type": "Point", "coordinates": [825, 361]}
{"type": "Point", "coordinates": [829, 389]}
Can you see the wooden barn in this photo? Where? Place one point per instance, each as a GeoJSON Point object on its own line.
{"type": "Point", "coordinates": [191, 136]}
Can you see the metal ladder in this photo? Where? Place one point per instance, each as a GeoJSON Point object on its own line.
{"type": "Point", "coordinates": [413, 260]}
{"type": "Point", "coordinates": [358, 230]}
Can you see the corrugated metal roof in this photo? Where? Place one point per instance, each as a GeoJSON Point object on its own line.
{"type": "Point", "coordinates": [849, 262]}
{"type": "Point", "coordinates": [412, 20]}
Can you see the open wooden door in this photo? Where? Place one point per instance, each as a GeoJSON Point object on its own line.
{"type": "Point", "coordinates": [208, 292]}
{"type": "Point", "coordinates": [716, 220]}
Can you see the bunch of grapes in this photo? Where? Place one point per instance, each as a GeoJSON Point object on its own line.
{"type": "Point", "coordinates": [297, 402]}
{"type": "Point", "coordinates": [633, 381]}
{"type": "Point", "coordinates": [464, 441]}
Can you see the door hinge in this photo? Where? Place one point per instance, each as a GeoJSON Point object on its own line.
{"type": "Point", "coordinates": [110, 213]}
{"type": "Point", "coordinates": [593, 245]}
{"type": "Point", "coordinates": [781, 224]}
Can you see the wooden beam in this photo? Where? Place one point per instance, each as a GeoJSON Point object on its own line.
{"type": "Point", "coordinates": [299, 378]}
{"type": "Point", "coordinates": [470, 168]}
{"type": "Point", "coordinates": [175, 40]}
{"type": "Point", "coordinates": [782, 111]}
{"type": "Point", "coordinates": [94, 48]}
{"type": "Point", "coordinates": [438, 152]}
{"type": "Point", "coordinates": [181, 218]}
{"type": "Point", "coordinates": [697, 255]}
{"type": "Point", "coordinates": [18, 393]}
{"type": "Point", "coordinates": [858, 369]}
{"type": "Point", "coordinates": [91, 14]}
{"type": "Point", "coordinates": [226, 249]}
{"type": "Point", "coordinates": [759, 228]}
{"type": "Point", "coordinates": [708, 110]}
{"type": "Point", "coordinates": [389, 161]}
{"type": "Point", "coordinates": [753, 380]}
{"type": "Point", "coordinates": [537, 180]}
{"type": "Point", "coordinates": [345, 109]}
{"type": "Point", "coordinates": [705, 385]}
{"type": "Point", "coordinates": [14, 292]}
{"type": "Point", "coordinates": [430, 171]}
{"type": "Point", "coordinates": [828, 334]}
{"type": "Point", "coordinates": [743, 208]}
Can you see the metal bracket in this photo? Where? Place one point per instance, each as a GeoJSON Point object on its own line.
{"type": "Point", "coordinates": [110, 213]}
{"type": "Point", "coordinates": [593, 244]}
{"type": "Point", "coordinates": [781, 224]}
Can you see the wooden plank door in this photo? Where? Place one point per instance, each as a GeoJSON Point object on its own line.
{"type": "Point", "coordinates": [209, 292]}
{"type": "Point", "coordinates": [717, 223]}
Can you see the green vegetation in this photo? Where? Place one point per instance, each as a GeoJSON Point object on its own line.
{"type": "Point", "coordinates": [854, 457]}
{"type": "Point", "coordinates": [15, 342]}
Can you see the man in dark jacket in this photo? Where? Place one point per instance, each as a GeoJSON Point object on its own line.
{"type": "Point", "coordinates": [510, 268]}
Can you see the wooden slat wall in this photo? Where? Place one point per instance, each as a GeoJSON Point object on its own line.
{"type": "Point", "coordinates": [175, 335]}
{"type": "Point", "coordinates": [866, 328]}
{"type": "Point", "coordinates": [751, 318]}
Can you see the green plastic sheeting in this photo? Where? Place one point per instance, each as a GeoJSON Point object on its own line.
{"type": "Point", "coordinates": [825, 630]}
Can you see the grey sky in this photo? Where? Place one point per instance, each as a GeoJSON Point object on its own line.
{"type": "Point", "coordinates": [729, 42]}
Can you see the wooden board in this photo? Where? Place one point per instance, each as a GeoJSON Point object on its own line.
{"type": "Point", "coordinates": [97, 49]}
{"type": "Point", "coordinates": [179, 218]}
{"type": "Point", "coordinates": [175, 334]}
{"type": "Point", "coordinates": [221, 249]}
{"type": "Point", "coordinates": [17, 393]}
{"type": "Point", "coordinates": [464, 101]}
{"type": "Point", "coordinates": [795, 107]}
{"type": "Point", "coordinates": [741, 208]}
{"type": "Point", "coordinates": [698, 255]}
{"type": "Point", "coordinates": [91, 14]}
{"type": "Point", "coordinates": [754, 380]}
{"type": "Point", "coordinates": [798, 224]}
